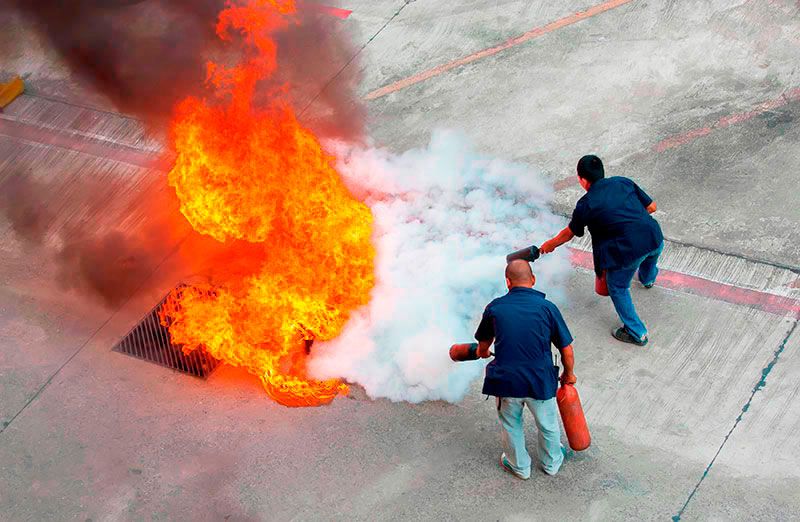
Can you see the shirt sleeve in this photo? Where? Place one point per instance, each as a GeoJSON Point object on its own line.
{"type": "Point", "coordinates": [578, 221]}
{"type": "Point", "coordinates": [642, 195]}
{"type": "Point", "coordinates": [485, 331]}
{"type": "Point", "coordinates": [559, 333]}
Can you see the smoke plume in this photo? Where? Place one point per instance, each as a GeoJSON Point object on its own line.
{"type": "Point", "coordinates": [144, 56]}
{"type": "Point", "coordinates": [445, 218]}
{"type": "Point", "coordinates": [89, 254]}
{"type": "Point", "coordinates": [147, 55]}
{"type": "Point", "coordinates": [314, 57]}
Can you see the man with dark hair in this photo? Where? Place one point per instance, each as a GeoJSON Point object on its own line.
{"type": "Point", "coordinates": [625, 239]}
{"type": "Point", "coordinates": [522, 324]}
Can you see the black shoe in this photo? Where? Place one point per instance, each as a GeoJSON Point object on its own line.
{"type": "Point", "coordinates": [649, 285]}
{"type": "Point", "coordinates": [621, 334]}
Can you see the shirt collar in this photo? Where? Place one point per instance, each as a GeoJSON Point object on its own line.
{"type": "Point", "coordinates": [523, 289]}
{"type": "Point", "coordinates": [593, 185]}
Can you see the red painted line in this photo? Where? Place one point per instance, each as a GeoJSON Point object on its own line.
{"type": "Point", "coordinates": [525, 37]}
{"type": "Point", "coordinates": [87, 145]}
{"type": "Point", "coordinates": [335, 11]}
{"type": "Point", "coordinates": [565, 183]}
{"type": "Point", "coordinates": [726, 121]}
{"type": "Point", "coordinates": [774, 304]}
{"type": "Point", "coordinates": [683, 138]}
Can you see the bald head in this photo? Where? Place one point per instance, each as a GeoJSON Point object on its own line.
{"type": "Point", "coordinates": [518, 273]}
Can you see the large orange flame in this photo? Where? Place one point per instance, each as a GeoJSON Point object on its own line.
{"type": "Point", "coordinates": [254, 174]}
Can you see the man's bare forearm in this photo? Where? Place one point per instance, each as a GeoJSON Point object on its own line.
{"type": "Point", "coordinates": [568, 360]}
{"type": "Point", "coordinates": [562, 237]}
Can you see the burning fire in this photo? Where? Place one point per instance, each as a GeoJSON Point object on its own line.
{"type": "Point", "coordinates": [248, 173]}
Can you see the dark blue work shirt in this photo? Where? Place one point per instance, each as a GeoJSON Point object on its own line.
{"type": "Point", "coordinates": [622, 230]}
{"type": "Point", "coordinates": [523, 324]}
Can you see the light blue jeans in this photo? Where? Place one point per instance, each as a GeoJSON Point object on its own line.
{"type": "Point", "coordinates": [545, 413]}
{"type": "Point", "coordinates": [619, 283]}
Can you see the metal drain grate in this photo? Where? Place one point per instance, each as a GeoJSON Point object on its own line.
{"type": "Point", "coordinates": [149, 341]}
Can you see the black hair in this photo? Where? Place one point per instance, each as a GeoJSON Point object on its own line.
{"type": "Point", "coordinates": [590, 168]}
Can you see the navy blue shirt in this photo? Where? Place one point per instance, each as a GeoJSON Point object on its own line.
{"type": "Point", "coordinates": [614, 210]}
{"type": "Point", "coordinates": [523, 324]}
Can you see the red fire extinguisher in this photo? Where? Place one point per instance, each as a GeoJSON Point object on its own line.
{"type": "Point", "coordinates": [601, 285]}
{"type": "Point", "coordinates": [464, 352]}
{"type": "Point", "coordinates": [569, 404]}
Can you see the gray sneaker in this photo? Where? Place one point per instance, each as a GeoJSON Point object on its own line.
{"type": "Point", "coordinates": [622, 334]}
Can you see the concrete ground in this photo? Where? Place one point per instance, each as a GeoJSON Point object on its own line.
{"type": "Point", "coordinates": [697, 101]}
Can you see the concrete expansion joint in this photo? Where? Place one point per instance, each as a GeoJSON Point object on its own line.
{"type": "Point", "coordinates": [760, 384]}
{"type": "Point", "coordinates": [795, 269]}
{"type": "Point", "coordinates": [355, 55]}
{"type": "Point", "coordinates": [100, 328]}
{"type": "Point", "coordinates": [706, 272]}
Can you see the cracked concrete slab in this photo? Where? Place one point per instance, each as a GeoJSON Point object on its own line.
{"type": "Point", "coordinates": [761, 455]}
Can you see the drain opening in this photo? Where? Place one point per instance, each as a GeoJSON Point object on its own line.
{"type": "Point", "coordinates": [149, 340]}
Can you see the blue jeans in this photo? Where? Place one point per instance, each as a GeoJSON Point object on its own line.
{"type": "Point", "coordinates": [545, 413]}
{"type": "Point", "coordinates": [619, 282]}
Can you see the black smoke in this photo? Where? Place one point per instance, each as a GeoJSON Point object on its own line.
{"type": "Point", "coordinates": [147, 55]}
{"type": "Point", "coordinates": [144, 56]}
{"type": "Point", "coordinates": [90, 254]}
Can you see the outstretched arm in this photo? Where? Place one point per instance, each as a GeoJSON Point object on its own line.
{"type": "Point", "coordinates": [568, 358]}
{"type": "Point", "coordinates": [562, 237]}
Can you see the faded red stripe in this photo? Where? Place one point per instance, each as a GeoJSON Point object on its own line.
{"type": "Point", "coordinates": [335, 11]}
{"type": "Point", "coordinates": [565, 183]}
{"type": "Point", "coordinates": [726, 121]}
{"type": "Point", "coordinates": [774, 304]}
{"type": "Point", "coordinates": [683, 138]}
{"type": "Point", "coordinates": [530, 35]}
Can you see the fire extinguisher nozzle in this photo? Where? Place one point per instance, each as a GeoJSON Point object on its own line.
{"type": "Point", "coordinates": [529, 254]}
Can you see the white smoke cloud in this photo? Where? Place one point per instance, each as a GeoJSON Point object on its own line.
{"type": "Point", "coordinates": [445, 218]}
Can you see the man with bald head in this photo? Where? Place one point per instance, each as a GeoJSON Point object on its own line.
{"type": "Point", "coordinates": [522, 325]}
